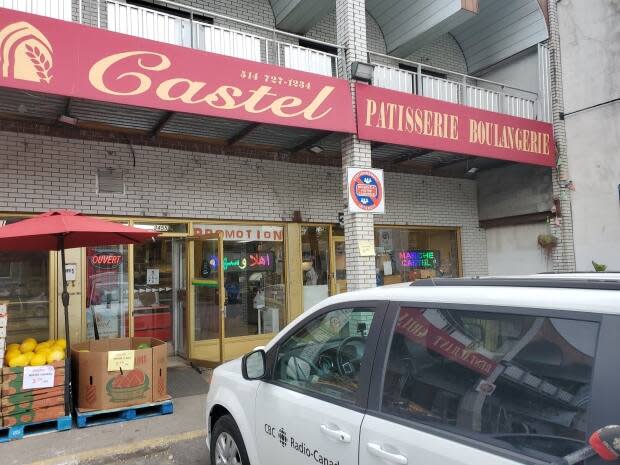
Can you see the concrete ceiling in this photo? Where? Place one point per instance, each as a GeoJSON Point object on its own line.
{"type": "Point", "coordinates": [488, 31]}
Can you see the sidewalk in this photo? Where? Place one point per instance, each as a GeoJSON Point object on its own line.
{"type": "Point", "coordinates": [103, 443]}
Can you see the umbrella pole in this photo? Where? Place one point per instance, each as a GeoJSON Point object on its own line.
{"type": "Point", "coordinates": [65, 304]}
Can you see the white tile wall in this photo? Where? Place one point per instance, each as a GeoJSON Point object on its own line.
{"type": "Point", "coordinates": [41, 172]}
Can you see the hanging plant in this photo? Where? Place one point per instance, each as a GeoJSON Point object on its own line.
{"type": "Point", "coordinates": [547, 242]}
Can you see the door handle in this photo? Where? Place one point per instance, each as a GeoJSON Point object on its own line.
{"type": "Point", "coordinates": [336, 434]}
{"type": "Point", "coordinates": [378, 451]}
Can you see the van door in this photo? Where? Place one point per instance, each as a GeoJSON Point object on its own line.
{"type": "Point", "coordinates": [479, 386]}
{"type": "Point", "coordinates": [311, 408]}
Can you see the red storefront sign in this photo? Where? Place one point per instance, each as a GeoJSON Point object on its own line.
{"type": "Point", "coordinates": [405, 119]}
{"type": "Point", "coordinates": [412, 324]}
{"type": "Point", "coordinates": [59, 57]}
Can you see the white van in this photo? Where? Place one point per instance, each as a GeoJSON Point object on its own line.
{"type": "Point", "coordinates": [497, 371]}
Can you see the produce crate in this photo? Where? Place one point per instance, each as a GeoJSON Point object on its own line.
{"type": "Point", "coordinates": [19, 406]}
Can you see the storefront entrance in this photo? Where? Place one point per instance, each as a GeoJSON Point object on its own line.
{"type": "Point", "coordinates": [237, 289]}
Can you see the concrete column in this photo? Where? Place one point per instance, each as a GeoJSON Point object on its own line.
{"type": "Point", "coordinates": [351, 33]}
{"type": "Point", "coordinates": [564, 254]}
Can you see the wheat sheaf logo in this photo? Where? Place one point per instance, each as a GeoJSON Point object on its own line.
{"type": "Point", "coordinates": [25, 53]}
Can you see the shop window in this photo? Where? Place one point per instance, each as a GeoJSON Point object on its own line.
{"type": "Point", "coordinates": [404, 255]}
{"type": "Point", "coordinates": [518, 382]}
{"type": "Point", "coordinates": [24, 285]}
{"type": "Point", "coordinates": [325, 356]}
{"type": "Point", "coordinates": [315, 264]}
{"type": "Point", "coordinates": [107, 292]}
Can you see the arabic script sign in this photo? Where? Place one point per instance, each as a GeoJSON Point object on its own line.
{"type": "Point", "coordinates": [59, 57]}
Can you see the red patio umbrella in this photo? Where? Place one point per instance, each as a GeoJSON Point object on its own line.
{"type": "Point", "coordinates": [60, 229]}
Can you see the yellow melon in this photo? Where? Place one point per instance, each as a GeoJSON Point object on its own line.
{"type": "Point", "coordinates": [61, 342]}
{"type": "Point", "coordinates": [55, 356]}
{"type": "Point", "coordinates": [28, 345]}
{"type": "Point", "coordinates": [38, 360]}
{"type": "Point", "coordinates": [18, 361]}
{"type": "Point", "coordinates": [12, 346]}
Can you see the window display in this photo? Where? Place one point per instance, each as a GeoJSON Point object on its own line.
{"type": "Point", "coordinates": [24, 284]}
{"type": "Point", "coordinates": [254, 285]}
{"type": "Point", "coordinates": [404, 255]}
{"type": "Point", "coordinates": [315, 264]}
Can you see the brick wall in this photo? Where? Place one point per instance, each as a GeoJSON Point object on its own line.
{"type": "Point", "coordinates": [40, 172]}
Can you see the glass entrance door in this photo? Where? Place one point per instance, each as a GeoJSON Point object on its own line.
{"type": "Point", "coordinates": [159, 283]}
{"type": "Point", "coordinates": [207, 299]}
{"type": "Point", "coordinates": [338, 266]}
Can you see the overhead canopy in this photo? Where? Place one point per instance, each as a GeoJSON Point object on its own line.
{"type": "Point", "coordinates": [488, 31]}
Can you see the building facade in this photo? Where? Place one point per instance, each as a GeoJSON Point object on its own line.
{"type": "Point", "coordinates": [255, 191]}
{"type": "Point", "coordinates": [589, 47]}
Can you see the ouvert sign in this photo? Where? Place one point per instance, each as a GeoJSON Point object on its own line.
{"type": "Point", "coordinates": [59, 57]}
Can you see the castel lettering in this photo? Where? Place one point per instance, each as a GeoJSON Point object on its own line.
{"type": "Point", "coordinates": [110, 75]}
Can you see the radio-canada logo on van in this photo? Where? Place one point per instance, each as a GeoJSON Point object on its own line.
{"type": "Point", "coordinates": [366, 190]}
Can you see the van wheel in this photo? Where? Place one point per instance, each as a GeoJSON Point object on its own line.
{"type": "Point", "coordinates": [227, 447]}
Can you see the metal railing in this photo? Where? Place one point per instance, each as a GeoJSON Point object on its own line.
{"type": "Point", "coordinates": [58, 9]}
{"type": "Point", "coordinates": [273, 46]}
{"type": "Point", "coordinates": [455, 87]}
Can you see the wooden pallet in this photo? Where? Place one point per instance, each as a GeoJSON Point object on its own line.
{"type": "Point", "coordinates": [86, 418]}
{"type": "Point", "coordinates": [31, 429]}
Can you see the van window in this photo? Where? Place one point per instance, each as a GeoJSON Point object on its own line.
{"type": "Point", "coordinates": [521, 382]}
{"type": "Point", "coordinates": [325, 356]}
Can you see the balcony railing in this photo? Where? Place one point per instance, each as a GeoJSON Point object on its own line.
{"type": "Point", "coordinates": [455, 87]}
{"type": "Point", "coordinates": [58, 9]}
{"type": "Point", "coordinates": [261, 44]}
{"type": "Point", "coordinates": [277, 49]}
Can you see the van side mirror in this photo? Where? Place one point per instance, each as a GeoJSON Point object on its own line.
{"type": "Point", "coordinates": [253, 365]}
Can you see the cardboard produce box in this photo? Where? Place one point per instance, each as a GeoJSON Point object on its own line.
{"type": "Point", "coordinates": [31, 416]}
{"type": "Point", "coordinates": [33, 396]}
{"type": "Point", "coordinates": [113, 373]}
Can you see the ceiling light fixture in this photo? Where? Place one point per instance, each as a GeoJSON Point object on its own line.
{"type": "Point", "coordinates": [471, 171]}
{"type": "Point", "coordinates": [316, 149]}
{"type": "Point", "coordinates": [68, 120]}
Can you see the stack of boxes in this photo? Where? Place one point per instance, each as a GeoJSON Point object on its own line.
{"type": "Point", "coordinates": [19, 406]}
{"type": "Point", "coordinates": [3, 321]}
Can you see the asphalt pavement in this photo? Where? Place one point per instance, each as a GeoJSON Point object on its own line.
{"type": "Point", "coordinates": [186, 452]}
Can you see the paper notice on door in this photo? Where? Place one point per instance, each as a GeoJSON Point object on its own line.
{"type": "Point", "coordinates": [121, 360]}
{"type": "Point", "coordinates": [152, 276]}
{"type": "Point", "coordinates": [387, 268]}
{"type": "Point", "coordinates": [38, 377]}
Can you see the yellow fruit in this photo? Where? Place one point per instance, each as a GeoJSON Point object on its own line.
{"type": "Point", "coordinates": [12, 346]}
{"type": "Point", "coordinates": [55, 356]}
{"type": "Point", "coordinates": [43, 345]}
{"type": "Point", "coordinates": [18, 361]}
{"type": "Point", "coordinates": [57, 347]}
{"type": "Point", "coordinates": [61, 342]}
{"type": "Point", "coordinates": [29, 356]}
{"type": "Point", "coordinates": [12, 353]}
{"type": "Point", "coordinates": [28, 345]}
{"type": "Point", "coordinates": [38, 360]}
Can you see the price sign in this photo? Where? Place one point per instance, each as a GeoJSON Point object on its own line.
{"type": "Point", "coordinates": [121, 360]}
{"type": "Point", "coordinates": [38, 377]}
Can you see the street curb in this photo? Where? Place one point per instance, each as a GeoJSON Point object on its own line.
{"type": "Point", "coordinates": [107, 454]}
